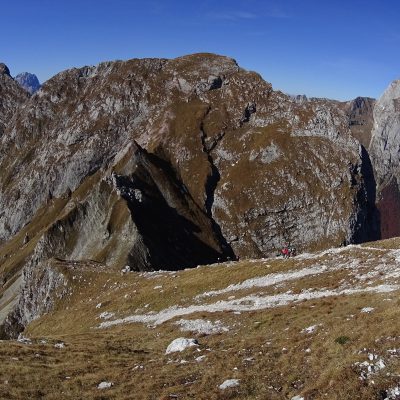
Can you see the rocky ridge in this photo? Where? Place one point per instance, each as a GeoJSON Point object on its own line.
{"type": "Point", "coordinates": [159, 163]}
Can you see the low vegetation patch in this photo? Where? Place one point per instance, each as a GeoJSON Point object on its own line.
{"type": "Point", "coordinates": [342, 340]}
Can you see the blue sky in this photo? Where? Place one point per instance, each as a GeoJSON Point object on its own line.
{"type": "Point", "coordinates": [337, 49]}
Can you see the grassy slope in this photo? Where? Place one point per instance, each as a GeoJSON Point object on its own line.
{"type": "Point", "coordinates": [266, 349]}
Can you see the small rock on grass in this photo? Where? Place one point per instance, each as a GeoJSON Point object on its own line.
{"type": "Point", "coordinates": [367, 310]}
{"type": "Point", "coordinates": [180, 344]}
{"type": "Point", "coordinates": [229, 383]}
{"type": "Point", "coordinates": [104, 385]}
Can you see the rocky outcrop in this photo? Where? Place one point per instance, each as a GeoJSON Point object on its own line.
{"type": "Point", "coordinates": [43, 285]}
{"type": "Point", "coordinates": [4, 70]}
{"type": "Point", "coordinates": [160, 163]}
{"type": "Point", "coordinates": [28, 81]}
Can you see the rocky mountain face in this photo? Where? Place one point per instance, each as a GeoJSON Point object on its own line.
{"type": "Point", "coordinates": [163, 164]}
{"type": "Point", "coordinates": [28, 81]}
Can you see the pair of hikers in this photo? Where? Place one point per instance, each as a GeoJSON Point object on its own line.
{"type": "Point", "coordinates": [288, 251]}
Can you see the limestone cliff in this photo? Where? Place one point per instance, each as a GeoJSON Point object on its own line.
{"type": "Point", "coordinates": [384, 147]}
{"type": "Point", "coordinates": [385, 155]}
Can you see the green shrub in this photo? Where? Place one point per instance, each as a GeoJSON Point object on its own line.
{"type": "Point", "coordinates": [342, 339]}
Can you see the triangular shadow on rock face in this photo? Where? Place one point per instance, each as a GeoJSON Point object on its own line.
{"type": "Point", "coordinates": [174, 230]}
{"type": "Point", "coordinates": [368, 224]}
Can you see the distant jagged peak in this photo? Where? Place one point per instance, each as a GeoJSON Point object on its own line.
{"type": "Point", "coordinates": [360, 100]}
{"type": "Point", "coordinates": [28, 81]}
{"type": "Point", "coordinates": [298, 98]}
{"type": "Point", "coordinates": [360, 104]}
{"type": "Point", "coordinates": [302, 99]}
{"type": "Point", "coordinates": [4, 69]}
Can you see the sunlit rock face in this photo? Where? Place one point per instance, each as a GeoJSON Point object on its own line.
{"type": "Point", "coordinates": [385, 142]}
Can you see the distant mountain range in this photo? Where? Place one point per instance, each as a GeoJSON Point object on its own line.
{"type": "Point", "coordinates": [28, 81]}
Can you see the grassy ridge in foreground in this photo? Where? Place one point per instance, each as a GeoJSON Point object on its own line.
{"type": "Point", "coordinates": [317, 346]}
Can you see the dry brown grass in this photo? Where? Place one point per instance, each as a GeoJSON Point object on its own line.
{"type": "Point", "coordinates": [265, 349]}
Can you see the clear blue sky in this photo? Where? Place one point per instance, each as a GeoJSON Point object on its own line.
{"type": "Point", "coordinates": [338, 49]}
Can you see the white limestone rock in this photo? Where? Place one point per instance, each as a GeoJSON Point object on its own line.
{"type": "Point", "coordinates": [181, 344]}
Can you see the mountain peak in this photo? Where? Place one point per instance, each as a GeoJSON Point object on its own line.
{"type": "Point", "coordinates": [4, 69]}
{"type": "Point", "coordinates": [28, 81]}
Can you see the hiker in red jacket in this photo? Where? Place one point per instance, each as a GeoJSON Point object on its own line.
{"type": "Point", "coordinates": [285, 252]}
